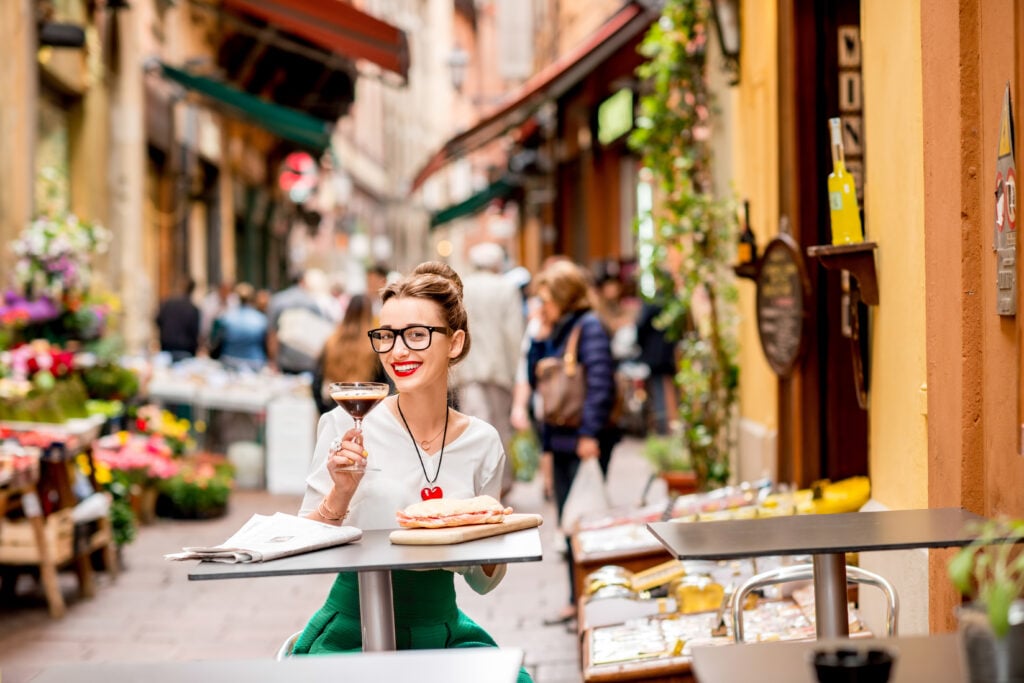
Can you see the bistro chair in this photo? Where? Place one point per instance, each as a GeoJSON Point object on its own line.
{"type": "Point", "coordinates": [285, 650]}
{"type": "Point", "coordinates": [804, 572]}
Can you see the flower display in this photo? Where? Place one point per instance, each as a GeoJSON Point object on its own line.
{"type": "Point", "coordinates": [200, 489]}
{"type": "Point", "coordinates": [144, 459]}
{"type": "Point", "coordinates": [174, 431]}
{"type": "Point", "coordinates": [53, 254]}
{"type": "Point", "coordinates": [27, 360]}
{"type": "Point", "coordinates": [39, 383]}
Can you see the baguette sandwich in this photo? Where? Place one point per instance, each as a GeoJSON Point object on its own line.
{"type": "Point", "coordinates": [438, 513]}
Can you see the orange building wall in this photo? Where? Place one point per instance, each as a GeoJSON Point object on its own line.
{"type": "Point", "coordinates": [968, 51]}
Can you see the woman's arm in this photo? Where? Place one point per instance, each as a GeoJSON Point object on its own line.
{"type": "Point", "coordinates": [328, 492]}
{"type": "Point", "coordinates": [484, 578]}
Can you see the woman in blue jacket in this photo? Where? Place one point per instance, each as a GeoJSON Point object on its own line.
{"type": "Point", "coordinates": [565, 304]}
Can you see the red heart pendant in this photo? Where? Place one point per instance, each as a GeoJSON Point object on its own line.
{"type": "Point", "coordinates": [427, 493]}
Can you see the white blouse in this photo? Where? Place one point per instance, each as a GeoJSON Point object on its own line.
{"type": "Point", "coordinates": [473, 465]}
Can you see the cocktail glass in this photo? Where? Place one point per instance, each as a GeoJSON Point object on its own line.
{"type": "Point", "coordinates": [358, 399]}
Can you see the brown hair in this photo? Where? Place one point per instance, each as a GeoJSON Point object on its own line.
{"type": "Point", "coordinates": [567, 284]}
{"type": "Point", "coordinates": [437, 282]}
{"type": "Point", "coordinates": [348, 356]}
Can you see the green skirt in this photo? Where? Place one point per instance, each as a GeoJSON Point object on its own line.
{"type": "Point", "coordinates": [426, 617]}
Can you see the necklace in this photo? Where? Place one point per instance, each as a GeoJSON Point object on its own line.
{"type": "Point", "coordinates": [426, 442]}
{"type": "Point", "coordinates": [426, 493]}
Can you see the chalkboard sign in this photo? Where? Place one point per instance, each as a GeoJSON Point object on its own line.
{"type": "Point", "coordinates": [782, 300]}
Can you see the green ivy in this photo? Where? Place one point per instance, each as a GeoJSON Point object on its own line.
{"type": "Point", "coordinates": [694, 234]}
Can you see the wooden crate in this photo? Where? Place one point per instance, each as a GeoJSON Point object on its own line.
{"type": "Point", "coordinates": [18, 542]}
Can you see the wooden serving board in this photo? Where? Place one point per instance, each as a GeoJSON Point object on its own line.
{"type": "Point", "coordinates": [461, 534]}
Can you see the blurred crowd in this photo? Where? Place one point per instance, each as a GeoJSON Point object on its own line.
{"type": "Point", "coordinates": [314, 326]}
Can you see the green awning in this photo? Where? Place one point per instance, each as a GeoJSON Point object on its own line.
{"type": "Point", "coordinates": [288, 124]}
{"type": "Point", "coordinates": [475, 203]}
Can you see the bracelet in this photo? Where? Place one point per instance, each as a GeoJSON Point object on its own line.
{"type": "Point", "coordinates": [325, 511]}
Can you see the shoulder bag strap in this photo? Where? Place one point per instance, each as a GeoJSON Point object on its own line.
{"type": "Point", "coordinates": [569, 358]}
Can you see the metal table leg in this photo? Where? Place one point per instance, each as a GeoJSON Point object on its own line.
{"type": "Point", "coordinates": [830, 596]}
{"type": "Point", "coordinates": [376, 611]}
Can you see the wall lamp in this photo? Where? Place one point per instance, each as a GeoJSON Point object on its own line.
{"type": "Point", "coordinates": [727, 22]}
{"type": "Point", "coordinates": [458, 61]}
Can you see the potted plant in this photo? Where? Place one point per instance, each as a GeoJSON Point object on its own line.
{"type": "Point", "coordinates": [200, 489]}
{"type": "Point", "coordinates": [990, 573]}
{"type": "Point", "coordinates": [671, 461]}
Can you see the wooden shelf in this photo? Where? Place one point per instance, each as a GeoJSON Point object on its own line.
{"type": "Point", "coordinates": [747, 270]}
{"type": "Point", "coordinates": [858, 258]}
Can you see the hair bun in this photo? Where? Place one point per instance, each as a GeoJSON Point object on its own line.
{"type": "Point", "coordinates": [441, 270]}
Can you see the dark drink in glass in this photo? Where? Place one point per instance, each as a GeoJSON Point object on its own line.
{"type": "Point", "coordinates": [358, 399]}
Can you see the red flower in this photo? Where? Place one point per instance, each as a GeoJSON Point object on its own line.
{"type": "Point", "coordinates": [141, 424]}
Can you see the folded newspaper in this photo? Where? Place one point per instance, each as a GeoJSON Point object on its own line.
{"type": "Point", "coordinates": [265, 538]}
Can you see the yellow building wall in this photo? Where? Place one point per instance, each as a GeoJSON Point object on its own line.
{"type": "Point", "coordinates": [894, 218]}
{"type": "Point", "coordinates": [755, 169]}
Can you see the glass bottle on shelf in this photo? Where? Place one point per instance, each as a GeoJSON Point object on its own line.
{"type": "Point", "coordinates": [746, 248]}
{"type": "Point", "coordinates": [842, 194]}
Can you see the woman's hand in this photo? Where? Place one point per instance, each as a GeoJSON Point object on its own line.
{"type": "Point", "coordinates": [519, 418]}
{"type": "Point", "coordinates": [587, 447]}
{"type": "Point", "coordinates": [344, 452]}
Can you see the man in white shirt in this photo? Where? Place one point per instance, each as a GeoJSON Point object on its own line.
{"type": "Point", "coordinates": [486, 376]}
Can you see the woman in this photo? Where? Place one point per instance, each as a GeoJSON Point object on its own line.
{"type": "Point", "coordinates": [346, 356]}
{"type": "Point", "coordinates": [418, 444]}
{"type": "Point", "coordinates": [565, 304]}
{"type": "Point", "coordinates": [241, 333]}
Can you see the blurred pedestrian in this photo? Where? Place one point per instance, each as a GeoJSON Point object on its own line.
{"type": "Point", "coordinates": [524, 399]}
{"type": "Point", "coordinates": [347, 355]}
{"type": "Point", "coordinates": [297, 326]}
{"type": "Point", "coordinates": [659, 355]}
{"type": "Point", "coordinates": [486, 377]}
{"type": "Point", "coordinates": [241, 333]}
{"type": "Point", "coordinates": [178, 323]}
{"type": "Point", "coordinates": [262, 300]}
{"type": "Point", "coordinates": [376, 281]}
{"type": "Point", "coordinates": [216, 303]}
{"type": "Point", "coordinates": [562, 289]}
{"type": "Point", "coordinates": [610, 307]}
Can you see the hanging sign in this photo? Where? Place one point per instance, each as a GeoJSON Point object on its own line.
{"type": "Point", "coordinates": [298, 176]}
{"type": "Point", "coordinates": [1004, 231]}
{"type": "Point", "coordinates": [783, 296]}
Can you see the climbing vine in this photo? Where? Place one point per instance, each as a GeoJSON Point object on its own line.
{"type": "Point", "coordinates": [690, 235]}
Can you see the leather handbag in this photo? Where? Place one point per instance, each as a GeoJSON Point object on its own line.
{"type": "Point", "coordinates": [562, 385]}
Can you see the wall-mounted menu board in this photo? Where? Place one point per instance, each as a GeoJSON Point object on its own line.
{"type": "Point", "coordinates": [782, 302]}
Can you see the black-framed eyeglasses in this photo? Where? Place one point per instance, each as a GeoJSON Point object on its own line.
{"type": "Point", "coordinates": [415, 337]}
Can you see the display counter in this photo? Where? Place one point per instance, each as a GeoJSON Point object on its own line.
{"type": "Point", "coordinates": [282, 425]}
{"type": "Point", "coordinates": [659, 648]}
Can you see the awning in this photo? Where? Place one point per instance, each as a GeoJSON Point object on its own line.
{"type": "Point", "coordinates": [336, 26]}
{"type": "Point", "coordinates": [289, 124]}
{"type": "Point", "coordinates": [475, 203]}
{"type": "Point", "coordinates": [550, 83]}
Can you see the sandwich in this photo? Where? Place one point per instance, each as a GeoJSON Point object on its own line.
{"type": "Point", "coordinates": [437, 513]}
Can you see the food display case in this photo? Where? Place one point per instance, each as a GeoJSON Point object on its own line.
{"type": "Point", "coordinates": [620, 536]}
{"type": "Point", "coordinates": [659, 648]}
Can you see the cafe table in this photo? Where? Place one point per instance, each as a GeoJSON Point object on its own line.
{"type": "Point", "coordinates": [935, 659]}
{"type": "Point", "coordinates": [827, 538]}
{"type": "Point", "coordinates": [481, 665]}
{"type": "Point", "coordinates": [374, 557]}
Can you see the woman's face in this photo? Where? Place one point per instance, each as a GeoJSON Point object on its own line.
{"type": "Point", "coordinates": [549, 310]}
{"type": "Point", "coordinates": [418, 369]}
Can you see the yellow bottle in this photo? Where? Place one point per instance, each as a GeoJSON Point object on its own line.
{"type": "Point", "coordinates": [842, 194]}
